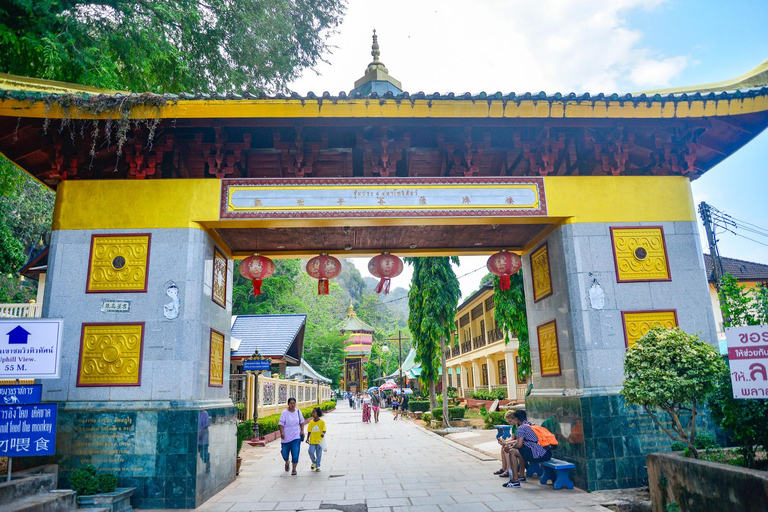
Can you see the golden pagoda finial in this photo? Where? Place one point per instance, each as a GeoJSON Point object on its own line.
{"type": "Point", "coordinates": [375, 53]}
{"type": "Point", "coordinates": [351, 311]}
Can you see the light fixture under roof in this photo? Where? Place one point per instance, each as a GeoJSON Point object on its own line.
{"type": "Point", "coordinates": [348, 247]}
{"type": "Point", "coordinates": [413, 246]}
{"type": "Point", "coordinates": [281, 247]}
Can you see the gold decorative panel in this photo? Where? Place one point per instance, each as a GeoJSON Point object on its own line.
{"type": "Point", "coordinates": [638, 323]}
{"type": "Point", "coordinates": [118, 263]}
{"type": "Point", "coordinates": [219, 284]}
{"type": "Point", "coordinates": [542, 279]}
{"type": "Point", "coordinates": [216, 361]}
{"type": "Point", "coordinates": [110, 355]}
{"type": "Point", "coordinates": [549, 351]}
{"type": "Point", "coordinates": [640, 254]}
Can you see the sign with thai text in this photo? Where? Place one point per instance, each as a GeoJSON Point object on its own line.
{"type": "Point", "coordinates": [30, 349]}
{"type": "Point", "coordinates": [27, 430]}
{"type": "Point", "coordinates": [116, 306]}
{"type": "Point", "coordinates": [256, 365]}
{"type": "Point", "coordinates": [748, 359]}
{"type": "Point", "coordinates": [21, 394]}
{"type": "Point", "coordinates": [382, 197]}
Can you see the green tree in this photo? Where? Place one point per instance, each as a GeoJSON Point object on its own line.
{"type": "Point", "coordinates": [671, 371]}
{"type": "Point", "coordinates": [325, 352]}
{"type": "Point", "coordinates": [277, 292]}
{"type": "Point", "coordinates": [167, 46]}
{"type": "Point", "coordinates": [509, 312]}
{"type": "Point", "coordinates": [432, 301]}
{"type": "Point", "coordinates": [742, 306]}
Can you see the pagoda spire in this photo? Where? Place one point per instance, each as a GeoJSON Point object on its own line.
{"type": "Point", "coordinates": [376, 78]}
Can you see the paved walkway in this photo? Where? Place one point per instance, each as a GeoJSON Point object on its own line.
{"type": "Point", "coordinates": [392, 466]}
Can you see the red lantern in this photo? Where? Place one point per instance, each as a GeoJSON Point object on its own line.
{"type": "Point", "coordinates": [323, 268]}
{"type": "Point", "coordinates": [257, 268]}
{"type": "Point", "coordinates": [385, 266]}
{"type": "Point", "coordinates": [504, 264]}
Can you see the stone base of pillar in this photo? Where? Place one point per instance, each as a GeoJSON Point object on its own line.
{"type": "Point", "coordinates": [606, 439]}
{"type": "Point", "coordinates": [177, 455]}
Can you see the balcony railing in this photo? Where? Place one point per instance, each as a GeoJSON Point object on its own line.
{"type": "Point", "coordinates": [495, 335]}
{"type": "Point", "coordinates": [478, 342]}
{"type": "Point", "coordinates": [24, 310]}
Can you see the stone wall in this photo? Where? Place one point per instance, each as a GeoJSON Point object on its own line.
{"type": "Point", "coordinates": [697, 485]}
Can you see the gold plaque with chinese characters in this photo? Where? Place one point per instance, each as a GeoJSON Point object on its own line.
{"type": "Point", "coordinates": [110, 355]}
{"type": "Point", "coordinates": [118, 263]}
{"type": "Point", "coordinates": [549, 352]}
{"type": "Point", "coordinates": [216, 362]}
{"type": "Point", "coordinates": [219, 285]}
{"type": "Point", "coordinates": [542, 279]}
{"type": "Point", "coordinates": [638, 323]}
{"type": "Point", "coordinates": [640, 254]}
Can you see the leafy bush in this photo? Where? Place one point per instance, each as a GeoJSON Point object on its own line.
{"type": "Point", "coordinates": [85, 481]}
{"type": "Point", "coordinates": [454, 413]}
{"type": "Point", "coordinates": [493, 418]}
{"type": "Point", "coordinates": [746, 419]}
{"type": "Point", "coordinates": [671, 371]}
{"type": "Point", "coordinates": [494, 394]}
{"type": "Point", "coordinates": [244, 431]}
{"type": "Point", "coordinates": [418, 405]}
{"type": "Point", "coordinates": [427, 417]}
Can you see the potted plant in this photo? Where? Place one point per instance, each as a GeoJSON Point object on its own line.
{"type": "Point", "coordinates": [244, 431]}
{"type": "Point", "coordinates": [99, 490]}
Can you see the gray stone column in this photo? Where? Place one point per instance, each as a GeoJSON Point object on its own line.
{"type": "Point", "coordinates": [170, 432]}
{"type": "Point", "coordinates": [588, 304]}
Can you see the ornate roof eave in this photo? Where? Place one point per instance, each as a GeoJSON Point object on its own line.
{"type": "Point", "coordinates": [756, 77]}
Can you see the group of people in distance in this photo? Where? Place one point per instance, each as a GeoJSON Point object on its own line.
{"type": "Point", "coordinates": [371, 404]}
{"type": "Point", "coordinates": [519, 450]}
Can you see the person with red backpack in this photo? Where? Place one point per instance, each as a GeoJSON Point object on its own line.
{"type": "Point", "coordinates": [534, 444]}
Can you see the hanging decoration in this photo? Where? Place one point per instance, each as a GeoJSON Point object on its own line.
{"type": "Point", "coordinates": [257, 268]}
{"type": "Point", "coordinates": [385, 266]}
{"type": "Point", "coordinates": [323, 268]}
{"type": "Point", "coordinates": [504, 264]}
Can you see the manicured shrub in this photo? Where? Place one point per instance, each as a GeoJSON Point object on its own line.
{"type": "Point", "coordinates": [494, 394]}
{"type": "Point", "coordinates": [427, 417]}
{"type": "Point", "coordinates": [454, 413]}
{"type": "Point", "coordinates": [85, 481]}
{"type": "Point", "coordinates": [418, 405]}
{"type": "Point", "coordinates": [268, 424]}
{"type": "Point", "coordinates": [244, 431]}
{"type": "Point", "coordinates": [493, 418]}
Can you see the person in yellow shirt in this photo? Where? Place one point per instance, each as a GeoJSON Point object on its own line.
{"type": "Point", "coordinates": [316, 429]}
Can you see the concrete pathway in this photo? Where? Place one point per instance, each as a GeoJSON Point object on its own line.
{"type": "Point", "coordinates": [392, 466]}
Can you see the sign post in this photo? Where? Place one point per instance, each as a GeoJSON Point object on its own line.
{"type": "Point", "coordinates": [256, 364]}
{"type": "Point", "coordinates": [748, 360]}
{"type": "Point", "coordinates": [29, 349]}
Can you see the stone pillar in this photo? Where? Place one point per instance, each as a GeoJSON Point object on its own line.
{"type": "Point", "coordinates": [591, 289]}
{"type": "Point", "coordinates": [509, 358]}
{"type": "Point", "coordinates": [493, 379]}
{"type": "Point", "coordinates": [476, 375]}
{"type": "Point", "coordinates": [144, 387]}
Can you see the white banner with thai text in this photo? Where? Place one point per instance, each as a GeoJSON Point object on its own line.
{"type": "Point", "coordinates": [748, 359]}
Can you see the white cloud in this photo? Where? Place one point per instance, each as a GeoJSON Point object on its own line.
{"type": "Point", "coordinates": [492, 45]}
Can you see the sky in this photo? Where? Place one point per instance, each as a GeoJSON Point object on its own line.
{"type": "Point", "coordinates": [567, 46]}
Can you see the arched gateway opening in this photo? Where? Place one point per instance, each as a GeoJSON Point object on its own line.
{"type": "Point", "coordinates": [592, 191]}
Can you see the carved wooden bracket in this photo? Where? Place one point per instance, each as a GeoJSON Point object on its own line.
{"type": "Point", "coordinates": [382, 153]}
{"type": "Point", "coordinates": [298, 157]}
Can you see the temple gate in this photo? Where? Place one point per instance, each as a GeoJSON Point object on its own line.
{"type": "Point", "coordinates": [593, 191]}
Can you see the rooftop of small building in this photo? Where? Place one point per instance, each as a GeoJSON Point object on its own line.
{"type": "Point", "coordinates": [741, 270]}
{"type": "Point", "coordinates": [274, 336]}
{"type": "Point", "coordinates": [353, 324]}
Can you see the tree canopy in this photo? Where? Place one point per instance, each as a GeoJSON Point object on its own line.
{"type": "Point", "coordinates": [167, 46]}
{"type": "Point", "coordinates": [432, 301]}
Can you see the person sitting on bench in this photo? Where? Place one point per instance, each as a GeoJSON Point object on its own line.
{"type": "Point", "coordinates": [507, 452]}
{"type": "Point", "coordinates": [527, 446]}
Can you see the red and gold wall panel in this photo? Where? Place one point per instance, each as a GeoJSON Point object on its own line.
{"type": "Point", "coordinates": [219, 282]}
{"type": "Point", "coordinates": [118, 263]}
{"type": "Point", "coordinates": [640, 254]}
{"type": "Point", "coordinates": [216, 360]}
{"type": "Point", "coordinates": [542, 278]}
{"type": "Point", "coordinates": [110, 354]}
{"type": "Point", "coordinates": [549, 350]}
{"type": "Point", "coordinates": [638, 323]}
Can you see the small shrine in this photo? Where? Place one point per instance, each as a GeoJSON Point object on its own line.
{"type": "Point", "coordinates": [358, 349]}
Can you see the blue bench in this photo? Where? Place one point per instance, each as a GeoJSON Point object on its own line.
{"type": "Point", "coordinates": [557, 471]}
{"type": "Point", "coordinates": [534, 469]}
{"type": "Point", "coordinates": [503, 431]}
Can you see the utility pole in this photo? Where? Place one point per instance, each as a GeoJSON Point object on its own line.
{"type": "Point", "coordinates": [400, 341]}
{"type": "Point", "coordinates": [709, 227]}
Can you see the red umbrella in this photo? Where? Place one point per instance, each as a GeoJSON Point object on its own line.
{"type": "Point", "coordinates": [388, 385]}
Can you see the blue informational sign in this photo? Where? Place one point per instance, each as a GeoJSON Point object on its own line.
{"type": "Point", "coordinates": [22, 394]}
{"type": "Point", "coordinates": [27, 430]}
{"type": "Point", "coordinates": [255, 365]}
